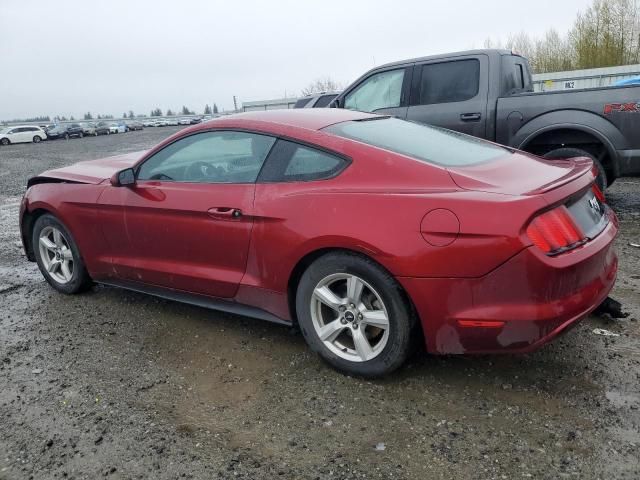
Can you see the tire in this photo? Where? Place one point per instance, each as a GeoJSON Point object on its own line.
{"type": "Point", "coordinates": [381, 300]}
{"type": "Point", "coordinates": [5, 141]}
{"type": "Point", "coordinates": [568, 152]}
{"type": "Point", "coordinates": [75, 277]}
{"type": "Point", "coordinates": [37, 139]}
{"type": "Point", "coordinates": [66, 136]}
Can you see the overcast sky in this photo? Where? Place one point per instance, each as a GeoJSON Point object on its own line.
{"type": "Point", "coordinates": [110, 56]}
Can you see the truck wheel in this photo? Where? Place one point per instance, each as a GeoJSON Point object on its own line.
{"type": "Point", "coordinates": [567, 152]}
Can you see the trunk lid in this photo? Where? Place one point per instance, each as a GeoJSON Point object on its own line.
{"type": "Point", "coordinates": [519, 174]}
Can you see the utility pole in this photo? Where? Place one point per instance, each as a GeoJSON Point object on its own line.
{"type": "Point", "coordinates": [235, 103]}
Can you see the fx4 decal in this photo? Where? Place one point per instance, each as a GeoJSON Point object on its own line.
{"type": "Point", "coordinates": [633, 107]}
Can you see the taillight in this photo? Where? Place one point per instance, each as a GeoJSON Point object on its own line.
{"type": "Point", "coordinates": [598, 193]}
{"type": "Point", "coordinates": [555, 231]}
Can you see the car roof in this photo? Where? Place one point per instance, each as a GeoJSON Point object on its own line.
{"type": "Point", "coordinates": [486, 51]}
{"type": "Point", "coordinates": [320, 94]}
{"type": "Point", "coordinates": [311, 119]}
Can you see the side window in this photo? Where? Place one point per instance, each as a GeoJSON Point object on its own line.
{"type": "Point", "coordinates": [382, 90]}
{"type": "Point", "coordinates": [324, 100]}
{"type": "Point", "coordinates": [210, 157]}
{"type": "Point", "coordinates": [447, 82]}
{"type": "Point", "coordinates": [292, 162]}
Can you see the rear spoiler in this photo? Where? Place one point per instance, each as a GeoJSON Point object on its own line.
{"type": "Point", "coordinates": [582, 166]}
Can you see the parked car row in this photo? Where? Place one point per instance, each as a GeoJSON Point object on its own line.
{"type": "Point", "coordinates": [171, 122]}
{"type": "Point", "coordinates": [36, 134]}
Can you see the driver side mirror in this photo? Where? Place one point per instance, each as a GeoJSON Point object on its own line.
{"type": "Point", "coordinates": [123, 178]}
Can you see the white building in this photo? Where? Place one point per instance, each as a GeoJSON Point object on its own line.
{"type": "Point", "coordinates": [590, 78]}
{"type": "Point", "coordinates": [276, 104]}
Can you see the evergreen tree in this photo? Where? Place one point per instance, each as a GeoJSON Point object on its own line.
{"type": "Point", "coordinates": [215, 108]}
{"type": "Point", "coordinates": [207, 109]}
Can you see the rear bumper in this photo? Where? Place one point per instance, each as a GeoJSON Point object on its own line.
{"type": "Point", "coordinates": [519, 306]}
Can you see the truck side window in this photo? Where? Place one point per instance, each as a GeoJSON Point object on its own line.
{"type": "Point", "coordinates": [454, 81]}
{"type": "Point", "coordinates": [382, 90]}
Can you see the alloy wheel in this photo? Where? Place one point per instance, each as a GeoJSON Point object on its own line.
{"type": "Point", "coordinates": [56, 254]}
{"type": "Point", "coordinates": [349, 317]}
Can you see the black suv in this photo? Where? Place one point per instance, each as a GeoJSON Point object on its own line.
{"type": "Point", "coordinates": [65, 131]}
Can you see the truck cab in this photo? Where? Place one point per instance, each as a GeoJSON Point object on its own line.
{"type": "Point", "coordinates": [489, 94]}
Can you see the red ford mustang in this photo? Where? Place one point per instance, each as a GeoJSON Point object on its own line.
{"type": "Point", "coordinates": [369, 232]}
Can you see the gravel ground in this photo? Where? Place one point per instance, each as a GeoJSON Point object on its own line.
{"type": "Point", "coordinates": [118, 384]}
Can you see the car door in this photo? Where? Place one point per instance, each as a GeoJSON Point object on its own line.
{"type": "Point", "coordinates": [385, 92]}
{"type": "Point", "coordinates": [451, 94]}
{"type": "Point", "coordinates": [186, 222]}
{"type": "Point", "coordinates": [18, 135]}
{"type": "Point", "coordinates": [29, 133]}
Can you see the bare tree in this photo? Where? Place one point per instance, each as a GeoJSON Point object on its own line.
{"type": "Point", "coordinates": [325, 84]}
{"type": "Point", "coordinates": [605, 34]}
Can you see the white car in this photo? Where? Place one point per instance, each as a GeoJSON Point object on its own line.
{"type": "Point", "coordinates": [117, 128]}
{"type": "Point", "coordinates": [22, 134]}
{"type": "Point", "coordinates": [185, 121]}
{"type": "Point", "coordinates": [172, 122]}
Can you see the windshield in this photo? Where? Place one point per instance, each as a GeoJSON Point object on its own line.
{"type": "Point", "coordinates": [422, 142]}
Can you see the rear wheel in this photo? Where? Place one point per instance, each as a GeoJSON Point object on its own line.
{"type": "Point", "coordinates": [58, 256]}
{"type": "Point", "coordinates": [354, 315]}
{"type": "Point", "coordinates": [568, 152]}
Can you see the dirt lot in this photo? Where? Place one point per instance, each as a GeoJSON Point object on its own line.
{"type": "Point", "coordinates": [124, 385]}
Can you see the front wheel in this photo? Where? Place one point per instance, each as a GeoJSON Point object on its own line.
{"type": "Point", "coordinates": [58, 256]}
{"type": "Point", "coordinates": [5, 141]}
{"type": "Point", "coordinates": [355, 315]}
{"type": "Point", "coordinates": [37, 139]}
{"type": "Point", "coordinates": [567, 152]}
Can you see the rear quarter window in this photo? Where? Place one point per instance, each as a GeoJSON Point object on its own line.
{"type": "Point", "coordinates": [422, 142]}
{"type": "Point", "coordinates": [293, 162]}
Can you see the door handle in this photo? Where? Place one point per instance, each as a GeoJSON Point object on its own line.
{"type": "Point", "coordinates": [470, 117]}
{"type": "Point", "coordinates": [225, 213]}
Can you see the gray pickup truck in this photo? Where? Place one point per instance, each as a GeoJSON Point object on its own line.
{"type": "Point", "coordinates": [489, 94]}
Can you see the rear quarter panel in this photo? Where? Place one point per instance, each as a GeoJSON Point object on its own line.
{"type": "Point", "coordinates": [376, 207]}
{"type": "Point", "coordinates": [521, 116]}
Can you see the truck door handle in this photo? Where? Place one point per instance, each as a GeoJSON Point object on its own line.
{"type": "Point", "coordinates": [225, 213]}
{"type": "Point", "coordinates": [470, 117]}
